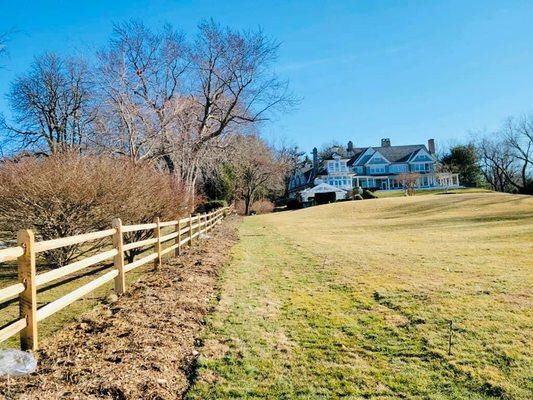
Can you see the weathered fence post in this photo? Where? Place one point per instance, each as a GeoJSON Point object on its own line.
{"type": "Point", "coordinates": [118, 261]}
{"type": "Point", "coordinates": [28, 298]}
{"type": "Point", "coordinates": [177, 230]}
{"type": "Point", "coordinates": [157, 247]}
{"type": "Point", "coordinates": [190, 230]}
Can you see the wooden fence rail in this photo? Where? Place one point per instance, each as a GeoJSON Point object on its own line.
{"type": "Point", "coordinates": [185, 232]}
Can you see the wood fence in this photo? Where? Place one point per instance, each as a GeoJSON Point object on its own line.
{"type": "Point", "coordinates": [186, 231]}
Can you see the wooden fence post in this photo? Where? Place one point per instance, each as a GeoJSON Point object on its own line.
{"type": "Point", "coordinates": [177, 252]}
{"type": "Point", "coordinates": [118, 261]}
{"type": "Point", "coordinates": [28, 298]}
{"type": "Point", "coordinates": [190, 230]}
{"type": "Point", "coordinates": [157, 247]}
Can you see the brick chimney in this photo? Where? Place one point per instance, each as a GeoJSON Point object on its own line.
{"type": "Point", "coordinates": [385, 142]}
{"type": "Point", "coordinates": [350, 146]}
{"type": "Point", "coordinates": [315, 158]}
{"type": "Point", "coordinates": [431, 146]}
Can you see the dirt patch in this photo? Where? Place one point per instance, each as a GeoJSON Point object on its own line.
{"type": "Point", "coordinates": [142, 346]}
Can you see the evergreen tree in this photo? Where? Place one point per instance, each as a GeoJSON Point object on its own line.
{"type": "Point", "coordinates": [463, 160]}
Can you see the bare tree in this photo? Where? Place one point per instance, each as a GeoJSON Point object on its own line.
{"type": "Point", "coordinates": [506, 156]}
{"type": "Point", "coordinates": [518, 137]}
{"type": "Point", "coordinates": [329, 148]}
{"type": "Point", "coordinates": [291, 157]}
{"type": "Point", "coordinates": [140, 89]}
{"type": "Point", "coordinates": [409, 181]}
{"type": "Point", "coordinates": [236, 82]}
{"type": "Point", "coordinates": [51, 105]}
{"type": "Point", "coordinates": [233, 85]}
{"type": "Point", "coordinates": [258, 169]}
{"type": "Point", "coordinates": [496, 163]}
{"type": "Point", "coordinates": [177, 101]}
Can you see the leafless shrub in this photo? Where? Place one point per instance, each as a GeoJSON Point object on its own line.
{"type": "Point", "coordinates": [65, 195]}
{"type": "Point", "coordinates": [409, 182]}
{"type": "Point", "coordinates": [263, 206]}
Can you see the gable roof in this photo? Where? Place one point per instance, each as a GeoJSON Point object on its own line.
{"type": "Point", "coordinates": [394, 154]}
{"type": "Point", "coordinates": [397, 154]}
{"type": "Point", "coordinates": [422, 151]}
{"type": "Point", "coordinates": [356, 154]}
{"type": "Point", "coordinates": [372, 159]}
{"type": "Point", "coordinates": [324, 187]}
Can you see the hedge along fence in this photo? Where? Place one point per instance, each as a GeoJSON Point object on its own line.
{"type": "Point", "coordinates": [185, 232]}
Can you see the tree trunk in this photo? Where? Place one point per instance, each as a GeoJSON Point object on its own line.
{"type": "Point", "coordinates": [246, 205]}
{"type": "Point", "coordinates": [169, 163]}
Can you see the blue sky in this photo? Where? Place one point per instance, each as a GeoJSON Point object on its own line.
{"type": "Point", "coordinates": [408, 70]}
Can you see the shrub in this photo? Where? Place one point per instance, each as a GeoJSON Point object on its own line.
{"type": "Point", "coordinates": [263, 206]}
{"type": "Point", "coordinates": [67, 195]}
{"type": "Point", "coordinates": [367, 194]}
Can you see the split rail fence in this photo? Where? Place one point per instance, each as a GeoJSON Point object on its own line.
{"type": "Point", "coordinates": [186, 231]}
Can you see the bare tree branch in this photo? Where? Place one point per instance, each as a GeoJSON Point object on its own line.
{"type": "Point", "coordinates": [51, 104]}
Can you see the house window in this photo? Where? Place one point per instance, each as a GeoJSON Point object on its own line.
{"type": "Point", "coordinates": [397, 168]}
{"type": "Point", "coordinates": [422, 167]}
{"type": "Point", "coordinates": [377, 170]}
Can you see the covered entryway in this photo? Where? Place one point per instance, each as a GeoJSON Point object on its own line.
{"type": "Point", "coordinates": [325, 198]}
{"type": "Point", "coordinates": [323, 193]}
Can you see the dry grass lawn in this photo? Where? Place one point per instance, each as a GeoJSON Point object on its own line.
{"type": "Point", "coordinates": [355, 300]}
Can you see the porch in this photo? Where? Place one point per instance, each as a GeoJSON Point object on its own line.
{"type": "Point", "coordinates": [393, 182]}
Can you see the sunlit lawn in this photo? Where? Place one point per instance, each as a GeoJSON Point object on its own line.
{"type": "Point", "coordinates": [355, 300]}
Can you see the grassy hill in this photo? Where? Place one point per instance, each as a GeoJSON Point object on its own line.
{"type": "Point", "coordinates": [356, 300]}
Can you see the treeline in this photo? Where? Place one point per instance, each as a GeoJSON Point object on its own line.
{"type": "Point", "coordinates": [501, 160]}
{"type": "Point", "coordinates": [154, 123]}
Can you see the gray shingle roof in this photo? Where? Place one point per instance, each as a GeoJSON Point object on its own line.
{"type": "Point", "coordinates": [399, 153]}
{"type": "Point", "coordinates": [356, 153]}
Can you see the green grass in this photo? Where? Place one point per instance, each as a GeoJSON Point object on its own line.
{"type": "Point", "coordinates": [353, 300]}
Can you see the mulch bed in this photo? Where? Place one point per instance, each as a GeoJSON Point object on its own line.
{"type": "Point", "coordinates": [141, 346]}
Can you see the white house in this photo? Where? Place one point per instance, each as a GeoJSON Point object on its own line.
{"type": "Point", "coordinates": [378, 168]}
